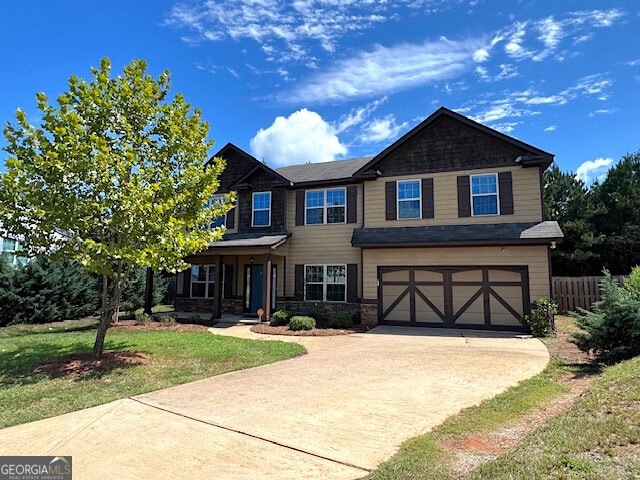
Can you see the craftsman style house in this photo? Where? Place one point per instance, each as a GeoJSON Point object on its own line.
{"type": "Point", "coordinates": [444, 227]}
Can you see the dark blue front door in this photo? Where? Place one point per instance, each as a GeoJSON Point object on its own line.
{"type": "Point", "coordinates": [255, 288]}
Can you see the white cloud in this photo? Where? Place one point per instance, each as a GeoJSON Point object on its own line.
{"type": "Point", "coordinates": [506, 127]}
{"type": "Point", "coordinates": [381, 129]}
{"type": "Point", "coordinates": [388, 69]}
{"type": "Point", "coordinates": [480, 56]}
{"type": "Point", "coordinates": [357, 115]}
{"type": "Point", "coordinates": [550, 128]}
{"type": "Point", "coordinates": [593, 169]}
{"type": "Point", "coordinates": [537, 40]}
{"type": "Point", "coordinates": [301, 137]}
{"type": "Point", "coordinates": [603, 110]}
{"type": "Point", "coordinates": [633, 63]}
{"type": "Point", "coordinates": [289, 29]}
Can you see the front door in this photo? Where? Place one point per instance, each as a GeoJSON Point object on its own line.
{"type": "Point", "coordinates": [253, 292]}
{"type": "Point", "coordinates": [253, 288]}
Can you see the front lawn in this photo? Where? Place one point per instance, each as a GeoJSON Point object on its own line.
{"type": "Point", "coordinates": [175, 357]}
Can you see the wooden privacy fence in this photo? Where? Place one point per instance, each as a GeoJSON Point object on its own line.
{"type": "Point", "coordinates": [571, 293]}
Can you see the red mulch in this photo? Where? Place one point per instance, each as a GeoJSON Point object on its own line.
{"type": "Point", "coordinates": [267, 329]}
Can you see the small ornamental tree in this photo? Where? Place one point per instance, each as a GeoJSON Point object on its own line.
{"type": "Point", "coordinates": [113, 178]}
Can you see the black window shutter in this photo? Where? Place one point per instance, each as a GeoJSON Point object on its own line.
{"type": "Point", "coordinates": [352, 283]}
{"type": "Point", "coordinates": [427, 198]}
{"type": "Point", "coordinates": [228, 282]}
{"type": "Point", "coordinates": [300, 207]}
{"type": "Point", "coordinates": [352, 204]}
{"type": "Point", "coordinates": [231, 219]}
{"type": "Point", "coordinates": [464, 197]}
{"type": "Point", "coordinates": [506, 193]}
{"type": "Point", "coordinates": [186, 284]}
{"type": "Point", "coordinates": [390, 200]}
{"type": "Point", "coordinates": [298, 293]}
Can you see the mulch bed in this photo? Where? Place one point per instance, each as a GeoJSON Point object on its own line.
{"type": "Point", "coordinates": [80, 365]}
{"type": "Point", "coordinates": [267, 329]}
{"type": "Point", "coordinates": [177, 327]}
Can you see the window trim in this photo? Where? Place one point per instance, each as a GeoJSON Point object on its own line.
{"type": "Point", "coordinates": [206, 282]}
{"type": "Point", "coordinates": [212, 200]}
{"type": "Point", "coordinates": [472, 195]}
{"type": "Point", "coordinates": [254, 209]}
{"type": "Point", "coordinates": [398, 182]}
{"type": "Point", "coordinates": [325, 266]}
{"type": "Point", "coordinates": [325, 206]}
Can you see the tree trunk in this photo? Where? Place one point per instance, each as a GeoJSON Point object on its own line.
{"type": "Point", "coordinates": [105, 318]}
{"type": "Point", "coordinates": [110, 305]}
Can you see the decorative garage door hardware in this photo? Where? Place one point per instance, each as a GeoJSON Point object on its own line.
{"type": "Point", "coordinates": [495, 297]}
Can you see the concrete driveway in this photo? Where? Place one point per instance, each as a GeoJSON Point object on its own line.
{"type": "Point", "coordinates": [334, 413]}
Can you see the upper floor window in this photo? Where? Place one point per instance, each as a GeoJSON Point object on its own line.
{"type": "Point", "coordinates": [326, 283]}
{"type": "Point", "coordinates": [221, 220]}
{"type": "Point", "coordinates": [409, 199]}
{"type": "Point", "coordinates": [325, 206]}
{"type": "Point", "coordinates": [484, 194]}
{"type": "Point", "coordinates": [261, 212]}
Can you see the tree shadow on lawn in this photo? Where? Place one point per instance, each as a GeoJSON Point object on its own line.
{"type": "Point", "coordinates": [46, 328]}
{"type": "Point", "coordinates": [29, 364]}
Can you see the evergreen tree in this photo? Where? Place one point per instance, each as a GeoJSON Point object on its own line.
{"type": "Point", "coordinates": [9, 301]}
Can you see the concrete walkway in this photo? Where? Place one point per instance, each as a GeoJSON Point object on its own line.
{"type": "Point", "coordinates": [335, 413]}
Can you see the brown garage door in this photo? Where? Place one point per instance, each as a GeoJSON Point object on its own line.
{"type": "Point", "coordinates": [490, 297]}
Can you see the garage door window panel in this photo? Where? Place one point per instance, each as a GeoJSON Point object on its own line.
{"type": "Point", "coordinates": [484, 194]}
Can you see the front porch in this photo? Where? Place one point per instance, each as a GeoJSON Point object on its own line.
{"type": "Point", "coordinates": [230, 278]}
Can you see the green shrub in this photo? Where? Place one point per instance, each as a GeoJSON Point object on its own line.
{"type": "Point", "coordinates": [281, 317]}
{"type": "Point", "coordinates": [143, 318]}
{"type": "Point", "coordinates": [195, 318]}
{"type": "Point", "coordinates": [299, 322]}
{"type": "Point", "coordinates": [540, 320]}
{"type": "Point", "coordinates": [612, 330]}
{"type": "Point", "coordinates": [632, 284]}
{"type": "Point", "coordinates": [340, 320]}
{"type": "Point", "coordinates": [169, 320]}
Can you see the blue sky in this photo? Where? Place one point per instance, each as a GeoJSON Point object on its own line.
{"type": "Point", "coordinates": [309, 81]}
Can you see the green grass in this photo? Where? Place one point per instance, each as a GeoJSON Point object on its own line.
{"type": "Point", "coordinates": [422, 457]}
{"type": "Point", "coordinates": [175, 358]}
{"type": "Point", "coordinates": [597, 438]}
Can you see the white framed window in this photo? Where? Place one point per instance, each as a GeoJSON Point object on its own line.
{"type": "Point", "coordinates": [261, 209]}
{"type": "Point", "coordinates": [325, 206]}
{"type": "Point", "coordinates": [409, 199]}
{"type": "Point", "coordinates": [11, 250]}
{"type": "Point", "coordinates": [203, 280]}
{"type": "Point", "coordinates": [484, 194]}
{"type": "Point", "coordinates": [221, 220]}
{"type": "Point", "coordinates": [325, 283]}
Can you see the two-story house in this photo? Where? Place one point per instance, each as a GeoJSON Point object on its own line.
{"type": "Point", "coordinates": [444, 227]}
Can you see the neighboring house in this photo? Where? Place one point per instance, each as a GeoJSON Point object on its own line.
{"type": "Point", "coordinates": [444, 227]}
{"type": "Point", "coordinates": [11, 250]}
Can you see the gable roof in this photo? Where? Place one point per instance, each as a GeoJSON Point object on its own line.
{"type": "Point", "coordinates": [335, 171]}
{"type": "Point", "coordinates": [535, 156]}
{"type": "Point", "coordinates": [256, 165]}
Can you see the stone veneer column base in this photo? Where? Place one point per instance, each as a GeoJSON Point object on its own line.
{"type": "Point", "coordinates": [369, 314]}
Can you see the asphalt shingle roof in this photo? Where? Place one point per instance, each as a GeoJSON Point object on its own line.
{"type": "Point", "coordinates": [521, 232]}
{"type": "Point", "coordinates": [313, 172]}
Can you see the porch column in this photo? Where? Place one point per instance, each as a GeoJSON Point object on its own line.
{"type": "Point", "coordinates": [217, 289]}
{"type": "Point", "coordinates": [266, 287]}
{"type": "Point", "coordinates": [148, 292]}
